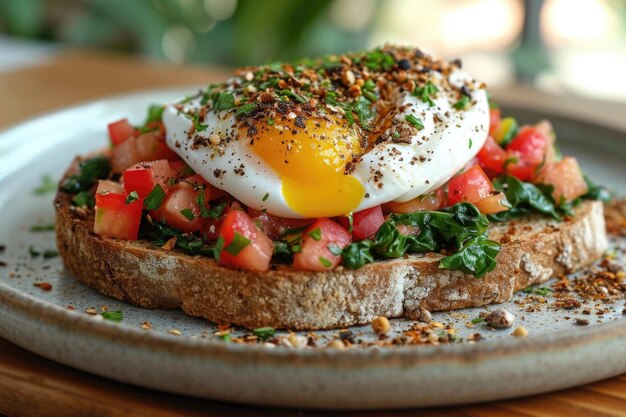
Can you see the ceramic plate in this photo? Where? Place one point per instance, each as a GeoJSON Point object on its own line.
{"type": "Point", "coordinates": [166, 350]}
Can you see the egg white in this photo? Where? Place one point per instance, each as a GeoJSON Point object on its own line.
{"type": "Point", "coordinates": [404, 170]}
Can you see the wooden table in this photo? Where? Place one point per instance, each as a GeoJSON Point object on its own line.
{"type": "Point", "coordinates": [33, 386]}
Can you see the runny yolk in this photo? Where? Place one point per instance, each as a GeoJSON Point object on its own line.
{"type": "Point", "coordinates": [311, 162]}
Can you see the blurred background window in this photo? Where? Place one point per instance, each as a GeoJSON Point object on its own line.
{"type": "Point", "coordinates": [574, 46]}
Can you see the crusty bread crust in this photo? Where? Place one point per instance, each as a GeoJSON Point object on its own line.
{"type": "Point", "coordinates": [533, 250]}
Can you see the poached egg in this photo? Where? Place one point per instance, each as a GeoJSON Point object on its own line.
{"type": "Point", "coordinates": [334, 136]}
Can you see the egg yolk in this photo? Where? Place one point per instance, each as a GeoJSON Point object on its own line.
{"type": "Point", "coordinates": [311, 160]}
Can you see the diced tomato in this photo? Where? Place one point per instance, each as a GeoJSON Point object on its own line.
{"type": "Point", "coordinates": [494, 120]}
{"type": "Point", "coordinates": [114, 217]}
{"type": "Point", "coordinates": [273, 226]}
{"type": "Point", "coordinates": [494, 203]}
{"type": "Point", "coordinates": [472, 185]}
{"type": "Point", "coordinates": [527, 151]}
{"type": "Point", "coordinates": [120, 131]}
{"type": "Point", "coordinates": [530, 145]}
{"type": "Point", "coordinates": [212, 193]}
{"type": "Point", "coordinates": [322, 237]}
{"type": "Point", "coordinates": [431, 201]}
{"type": "Point", "coordinates": [180, 209]}
{"type": "Point", "coordinates": [245, 245]}
{"type": "Point", "coordinates": [365, 223]}
{"type": "Point", "coordinates": [180, 168]}
{"type": "Point", "coordinates": [144, 176]}
{"type": "Point", "coordinates": [211, 228]}
{"type": "Point", "coordinates": [146, 147]}
{"type": "Point", "coordinates": [566, 177]}
{"type": "Point", "coordinates": [491, 157]}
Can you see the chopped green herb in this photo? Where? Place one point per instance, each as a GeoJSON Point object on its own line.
{"type": "Point", "coordinates": [132, 196]}
{"type": "Point", "coordinates": [415, 121]}
{"type": "Point", "coordinates": [224, 100]}
{"type": "Point", "coordinates": [84, 198]}
{"type": "Point", "coordinates": [116, 316]}
{"type": "Point", "coordinates": [155, 113]}
{"type": "Point", "coordinates": [42, 228]}
{"type": "Point", "coordinates": [47, 185]}
{"type": "Point", "coordinates": [334, 249]}
{"type": "Point", "coordinates": [264, 333]}
{"type": "Point", "coordinates": [369, 85]}
{"type": "Point", "coordinates": [155, 198]}
{"type": "Point", "coordinates": [350, 222]}
{"type": "Point", "coordinates": [316, 234]}
{"type": "Point", "coordinates": [266, 196]}
{"type": "Point", "coordinates": [195, 118]}
{"type": "Point", "coordinates": [270, 121]}
{"type": "Point", "coordinates": [204, 212]}
{"type": "Point", "coordinates": [225, 337]}
{"type": "Point", "coordinates": [463, 103]}
{"type": "Point", "coordinates": [363, 109]}
{"type": "Point", "coordinates": [90, 171]}
{"type": "Point", "coordinates": [216, 211]}
{"type": "Point", "coordinates": [217, 250]}
{"type": "Point", "coordinates": [541, 291]}
{"type": "Point", "coordinates": [478, 320]}
{"type": "Point", "coordinates": [239, 243]}
{"type": "Point", "coordinates": [245, 109]}
{"type": "Point", "coordinates": [33, 252]}
{"type": "Point", "coordinates": [470, 143]}
{"type": "Point", "coordinates": [426, 92]}
{"type": "Point", "coordinates": [50, 254]}
{"type": "Point", "coordinates": [289, 93]}
{"type": "Point", "coordinates": [188, 214]}
{"type": "Point", "coordinates": [396, 135]}
{"type": "Point", "coordinates": [325, 262]}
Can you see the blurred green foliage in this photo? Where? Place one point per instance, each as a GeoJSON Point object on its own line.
{"type": "Point", "coordinates": [225, 31]}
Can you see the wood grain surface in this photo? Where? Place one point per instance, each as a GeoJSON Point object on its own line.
{"type": "Point", "coordinates": [33, 386]}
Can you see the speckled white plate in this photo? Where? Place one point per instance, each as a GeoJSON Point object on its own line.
{"type": "Point", "coordinates": [179, 353]}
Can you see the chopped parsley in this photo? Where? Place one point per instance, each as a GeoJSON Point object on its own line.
{"type": "Point", "coordinates": [42, 228]}
{"type": "Point", "coordinates": [239, 243]}
{"type": "Point", "coordinates": [90, 171]}
{"type": "Point", "coordinates": [195, 118]}
{"type": "Point", "coordinates": [204, 212]}
{"type": "Point", "coordinates": [155, 198]}
{"type": "Point", "coordinates": [316, 234]}
{"type": "Point", "coordinates": [116, 316]}
{"type": "Point", "coordinates": [188, 214]}
{"type": "Point", "coordinates": [155, 113]}
{"type": "Point", "coordinates": [325, 262]}
{"type": "Point", "coordinates": [266, 196]}
{"type": "Point", "coordinates": [541, 291]}
{"type": "Point", "coordinates": [478, 320]}
{"type": "Point", "coordinates": [131, 197]}
{"type": "Point", "coordinates": [426, 93]}
{"type": "Point", "coordinates": [33, 252]}
{"type": "Point", "coordinates": [289, 93]}
{"type": "Point", "coordinates": [48, 185]}
{"type": "Point", "coordinates": [216, 211]}
{"type": "Point", "coordinates": [463, 103]}
{"type": "Point", "coordinates": [84, 198]}
{"type": "Point", "coordinates": [224, 100]}
{"type": "Point", "coordinates": [270, 121]}
{"type": "Point", "coordinates": [219, 246]}
{"type": "Point", "coordinates": [470, 143]}
{"type": "Point", "coordinates": [264, 333]}
{"type": "Point", "coordinates": [50, 253]}
{"type": "Point", "coordinates": [415, 121]}
{"type": "Point", "coordinates": [245, 110]}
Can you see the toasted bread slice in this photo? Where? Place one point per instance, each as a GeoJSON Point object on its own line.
{"type": "Point", "coordinates": [533, 250]}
